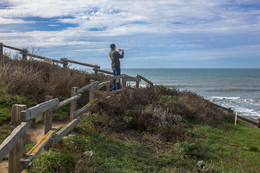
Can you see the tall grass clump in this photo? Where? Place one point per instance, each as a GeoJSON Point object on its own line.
{"type": "Point", "coordinates": [36, 79]}
{"type": "Point", "coordinates": [158, 111]}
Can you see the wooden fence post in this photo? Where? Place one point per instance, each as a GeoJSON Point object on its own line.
{"type": "Point", "coordinates": [258, 122]}
{"type": "Point", "coordinates": [65, 62]}
{"type": "Point", "coordinates": [123, 82]}
{"type": "Point", "coordinates": [137, 84]}
{"type": "Point", "coordinates": [48, 121]}
{"type": "Point", "coordinates": [1, 51]}
{"type": "Point", "coordinates": [48, 117]}
{"type": "Point", "coordinates": [25, 51]}
{"type": "Point", "coordinates": [92, 91]}
{"type": "Point", "coordinates": [96, 72]}
{"type": "Point", "coordinates": [73, 104]}
{"type": "Point", "coordinates": [108, 87]}
{"type": "Point", "coordinates": [19, 149]}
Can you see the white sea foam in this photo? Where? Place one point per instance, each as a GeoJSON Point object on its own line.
{"type": "Point", "coordinates": [245, 107]}
{"type": "Point", "coordinates": [253, 101]}
{"type": "Point", "coordinates": [248, 112]}
{"type": "Point", "coordinates": [223, 98]}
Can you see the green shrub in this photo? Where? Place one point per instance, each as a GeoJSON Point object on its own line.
{"type": "Point", "coordinates": [185, 148]}
{"type": "Point", "coordinates": [54, 161]}
{"type": "Point", "coordinates": [253, 148]}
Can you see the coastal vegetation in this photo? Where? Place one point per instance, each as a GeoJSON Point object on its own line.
{"type": "Point", "coordinates": [138, 130]}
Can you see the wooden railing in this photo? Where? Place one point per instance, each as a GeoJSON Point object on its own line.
{"type": "Point", "coordinates": [63, 61]}
{"type": "Point", "coordinates": [22, 118]}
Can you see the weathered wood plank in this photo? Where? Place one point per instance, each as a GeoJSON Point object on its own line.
{"type": "Point", "coordinates": [36, 149]}
{"type": "Point", "coordinates": [19, 148]}
{"type": "Point", "coordinates": [1, 51]}
{"type": "Point", "coordinates": [14, 48]}
{"type": "Point", "coordinates": [108, 87]}
{"type": "Point", "coordinates": [24, 53]}
{"type": "Point", "coordinates": [118, 77]}
{"type": "Point", "coordinates": [73, 104]}
{"type": "Point", "coordinates": [43, 58]}
{"type": "Point", "coordinates": [92, 91]}
{"type": "Point", "coordinates": [137, 84]}
{"type": "Point", "coordinates": [68, 101]}
{"type": "Point", "coordinates": [48, 117]}
{"type": "Point", "coordinates": [85, 88]}
{"type": "Point", "coordinates": [247, 120]}
{"type": "Point", "coordinates": [133, 79]}
{"type": "Point", "coordinates": [11, 140]}
{"type": "Point", "coordinates": [146, 80]}
{"type": "Point", "coordinates": [123, 82]}
{"type": "Point", "coordinates": [80, 63]}
{"type": "Point", "coordinates": [65, 130]}
{"type": "Point", "coordinates": [85, 108]}
{"type": "Point", "coordinates": [101, 85]}
{"type": "Point", "coordinates": [48, 60]}
{"type": "Point", "coordinates": [29, 169]}
{"type": "Point", "coordinates": [39, 109]}
{"type": "Point", "coordinates": [105, 71]}
{"type": "Point", "coordinates": [96, 73]}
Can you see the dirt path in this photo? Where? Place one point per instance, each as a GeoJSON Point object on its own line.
{"type": "Point", "coordinates": [36, 132]}
{"type": "Point", "coordinates": [33, 135]}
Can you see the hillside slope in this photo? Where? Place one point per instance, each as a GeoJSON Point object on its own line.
{"type": "Point", "coordinates": [138, 130]}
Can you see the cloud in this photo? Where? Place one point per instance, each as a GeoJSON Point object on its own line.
{"type": "Point", "coordinates": [157, 17]}
{"type": "Point", "coordinates": [11, 21]}
{"type": "Point", "coordinates": [83, 26]}
{"type": "Point", "coordinates": [249, 51]}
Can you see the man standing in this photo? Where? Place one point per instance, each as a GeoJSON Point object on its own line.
{"type": "Point", "coordinates": [115, 58]}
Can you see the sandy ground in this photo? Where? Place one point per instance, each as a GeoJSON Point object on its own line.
{"type": "Point", "coordinates": [4, 166]}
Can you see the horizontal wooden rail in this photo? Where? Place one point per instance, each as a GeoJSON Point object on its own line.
{"type": "Point", "coordinates": [85, 108]}
{"type": "Point", "coordinates": [43, 58]}
{"type": "Point", "coordinates": [79, 63]}
{"type": "Point", "coordinates": [133, 79]}
{"type": "Point", "coordinates": [104, 71]}
{"type": "Point", "coordinates": [29, 169]}
{"type": "Point", "coordinates": [11, 140]}
{"type": "Point", "coordinates": [249, 121]}
{"type": "Point", "coordinates": [32, 112]}
{"type": "Point", "coordinates": [65, 130]}
{"type": "Point", "coordinates": [123, 76]}
{"type": "Point", "coordinates": [24, 52]}
{"type": "Point", "coordinates": [146, 80]}
{"type": "Point", "coordinates": [85, 88]}
{"type": "Point", "coordinates": [69, 100]}
{"type": "Point", "coordinates": [1, 51]}
{"type": "Point", "coordinates": [14, 48]}
{"type": "Point", "coordinates": [36, 149]}
{"type": "Point", "coordinates": [101, 85]}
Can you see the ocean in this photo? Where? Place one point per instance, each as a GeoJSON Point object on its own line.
{"type": "Point", "coordinates": [238, 89]}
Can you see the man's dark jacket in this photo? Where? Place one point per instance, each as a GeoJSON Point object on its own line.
{"type": "Point", "coordinates": [115, 56]}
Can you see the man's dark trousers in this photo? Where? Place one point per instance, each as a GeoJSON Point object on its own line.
{"type": "Point", "coordinates": [117, 72]}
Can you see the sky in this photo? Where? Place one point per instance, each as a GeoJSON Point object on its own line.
{"type": "Point", "coordinates": [154, 33]}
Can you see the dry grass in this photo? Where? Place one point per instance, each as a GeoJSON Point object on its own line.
{"type": "Point", "coordinates": [158, 111]}
{"type": "Point", "coordinates": [36, 79]}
